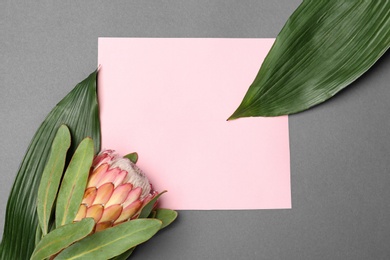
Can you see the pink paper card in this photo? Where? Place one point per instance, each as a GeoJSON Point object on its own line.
{"type": "Point", "coordinates": [168, 100]}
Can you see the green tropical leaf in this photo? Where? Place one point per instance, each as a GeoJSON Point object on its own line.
{"type": "Point", "coordinates": [79, 111]}
{"type": "Point", "coordinates": [74, 182]}
{"type": "Point", "coordinates": [51, 176]}
{"type": "Point", "coordinates": [167, 216]}
{"type": "Point", "coordinates": [62, 237]}
{"type": "Point", "coordinates": [324, 46]}
{"type": "Point", "coordinates": [112, 241]}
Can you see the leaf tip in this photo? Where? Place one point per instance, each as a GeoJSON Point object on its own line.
{"type": "Point", "coordinates": [133, 157]}
{"type": "Point", "coordinates": [235, 115]}
{"type": "Point", "coordinates": [231, 118]}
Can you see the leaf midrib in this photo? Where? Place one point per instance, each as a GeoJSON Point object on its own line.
{"type": "Point", "coordinates": [72, 191]}
{"type": "Point", "coordinates": [109, 243]}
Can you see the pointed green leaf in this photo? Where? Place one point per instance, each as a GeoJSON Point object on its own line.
{"type": "Point", "coordinates": [112, 241]}
{"type": "Point", "coordinates": [62, 237]}
{"type": "Point", "coordinates": [152, 214]}
{"type": "Point", "coordinates": [145, 211]}
{"type": "Point", "coordinates": [51, 176]}
{"type": "Point", "coordinates": [38, 235]}
{"type": "Point", "coordinates": [133, 157]}
{"type": "Point", "coordinates": [79, 111]}
{"type": "Point", "coordinates": [167, 216]}
{"type": "Point", "coordinates": [324, 46]}
{"type": "Point", "coordinates": [74, 183]}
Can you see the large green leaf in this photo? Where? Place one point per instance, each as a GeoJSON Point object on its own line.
{"type": "Point", "coordinates": [324, 46]}
{"type": "Point", "coordinates": [74, 183]}
{"type": "Point", "coordinates": [112, 241]}
{"type": "Point", "coordinates": [51, 177]}
{"type": "Point", "coordinates": [62, 237]}
{"type": "Point", "coordinates": [79, 111]}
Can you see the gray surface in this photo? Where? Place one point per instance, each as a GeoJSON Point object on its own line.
{"type": "Point", "coordinates": [339, 150]}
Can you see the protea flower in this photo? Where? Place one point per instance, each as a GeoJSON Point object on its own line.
{"type": "Point", "coordinates": [116, 191]}
{"type": "Point", "coordinates": [106, 191]}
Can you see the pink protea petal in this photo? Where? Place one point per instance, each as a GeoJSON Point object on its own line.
{"type": "Point", "coordinates": [129, 211]}
{"type": "Point", "coordinates": [104, 193]}
{"type": "Point", "coordinates": [108, 176]}
{"type": "Point", "coordinates": [95, 212]}
{"type": "Point", "coordinates": [89, 196]}
{"type": "Point", "coordinates": [134, 195]}
{"type": "Point", "coordinates": [101, 158]}
{"type": "Point", "coordinates": [134, 175]}
{"type": "Point", "coordinates": [81, 213]}
{"type": "Point", "coordinates": [120, 194]}
{"type": "Point", "coordinates": [96, 175]}
{"type": "Point", "coordinates": [104, 156]}
{"type": "Point", "coordinates": [119, 178]}
{"type": "Point", "coordinates": [111, 213]}
{"type": "Point", "coordinates": [136, 215]}
{"type": "Point", "coordinates": [103, 225]}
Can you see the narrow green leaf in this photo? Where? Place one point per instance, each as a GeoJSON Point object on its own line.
{"type": "Point", "coordinates": [79, 111]}
{"type": "Point", "coordinates": [51, 176]}
{"type": "Point", "coordinates": [167, 216]}
{"type": "Point", "coordinates": [112, 241]}
{"type": "Point", "coordinates": [133, 157]}
{"type": "Point", "coordinates": [152, 214]}
{"type": "Point", "coordinates": [62, 237]}
{"type": "Point", "coordinates": [38, 235]}
{"type": "Point", "coordinates": [145, 211]}
{"type": "Point", "coordinates": [74, 183]}
{"type": "Point", "coordinates": [324, 46]}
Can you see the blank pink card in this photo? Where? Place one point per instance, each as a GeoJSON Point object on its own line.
{"type": "Point", "coordinates": [168, 100]}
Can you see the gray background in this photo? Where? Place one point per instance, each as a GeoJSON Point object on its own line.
{"type": "Point", "coordinates": [339, 150]}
